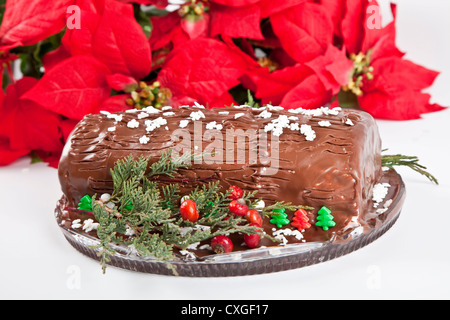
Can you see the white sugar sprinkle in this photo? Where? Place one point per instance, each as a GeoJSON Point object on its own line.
{"type": "Point", "coordinates": [198, 105]}
{"type": "Point", "coordinates": [265, 114]}
{"type": "Point", "coordinates": [281, 233]}
{"type": "Point", "coordinates": [90, 225]}
{"type": "Point", "coordinates": [197, 115]}
{"type": "Point", "coordinates": [309, 133]}
{"type": "Point", "coordinates": [154, 124]}
{"type": "Point", "coordinates": [144, 140]}
{"type": "Point", "coordinates": [116, 117]}
{"type": "Point", "coordinates": [143, 115]}
{"type": "Point", "coordinates": [76, 224]}
{"type": "Point", "coordinates": [184, 123]}
{"type": "Point", "coordinates": [349, 122]}
{"type": "Point", "coordinates": [379, 192]}
{"type": "Point", "coordinates": [213, 125]}
{"type": "Point", "coordinates": [324, 123]}
{"type": "Point", "coordinates": [170, 113]}
{"type": "Point", "coordinates": [133, 124]}
{"type": "Point", "coordinates": [112, 129]}
{"type": "Point", "coordinates": [224, 112]}
{"type": "Point", "coordinates": [151, 109]}
{"type": "Point", "coordinates": [238, 115]}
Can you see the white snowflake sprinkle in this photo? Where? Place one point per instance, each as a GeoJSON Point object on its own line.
{"type": "Point", "coordinates": [133, 124]}
{"type": "Point", "coordinates": [184, 123]}
{"type": "Point", "coordinates": [238, 115]}
{"type": "Point", "coordinates": [379, 192]}
{"type": "Point", "coordinates": [76, 224]}
{"type": "Point", "coordinates": [349, 122]}
{"type": "Point", "coordinates": [90, 225]}
{"type": "Point", "coordinates": [197, 115]}
{"type": "Point", "coordinates": [143, 115]}
{"type": "Point", "coordinates": [154, 124]}
{"type": "Point", "coordinates": [324, 123]}
{"type": "Point", "coordinates": [308, 132]}
{"type": "Point", "coordinates": [265, 114]}
{"type": "Point", "coordinates": [213, 125]}
{"type": "Point", "coordinates": [144, 140]}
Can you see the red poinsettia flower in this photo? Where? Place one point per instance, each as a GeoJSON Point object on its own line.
{"type": "Point", "coordinates": [290, 75]}
{"type": "Point", "coordinates": [111, 34]}
{"type": "Point", "coordinates": [109, 52]}
{"type": "Point", "coordinates": [25, 126]}
{"type": "Point", "coordinates": [28, 22]}
{"type": "Point", "coordinates": [193, 74]}
{"type": "Point", "coordinates": [387, 85]}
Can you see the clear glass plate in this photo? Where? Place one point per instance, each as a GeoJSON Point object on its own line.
{"type": "Point", "coordinates": [248, 262]}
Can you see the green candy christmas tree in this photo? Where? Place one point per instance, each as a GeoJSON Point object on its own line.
{"type": "Point", "coordinates": [279, 218]}
{"type": "Point", "coordinates": [325, 219]}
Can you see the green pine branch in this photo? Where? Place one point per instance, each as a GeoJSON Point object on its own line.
{"type": "Point", "coordinates": [412, 162]}
{"type": "Point", "coordinates": [146, 215]}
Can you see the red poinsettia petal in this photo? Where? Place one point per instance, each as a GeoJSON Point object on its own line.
{"type": "Point", "coordinates": [271, 87]}
{"type": "Point", "coordinates": [120, 43]}
{"type": "Point", "coordinates": [352, 26]}
{"type": "Point", "coordinates": [28, 22]}
{"type": "Point", "coordinates": [201, 74]}
{"type": "Point", "coordinates": [51, 158]}
{"type": "Point", "coordinates": [7, 155]}
{"type": "Point", "coordinates": [393, 74]}
{"type": "Point", "coordinates": [305, 30]}
{"type": "Point", "coordinates": [405, 105]}
{"type": "Point", "coordinates": [236, 22]}
{"type": "Point", "coordinates": [158, 3]}
{"type": "Point", "coordinates": [113, 104]}
{"type": "Point", "coordinates": [197, 27]}
{"type": "Point", "coordinates": [223, 101]}
{"type": "Point", "coordinates": [78, 41]}
{"type": "Point", "coordinates": [121, 82]}
{"type": "Point", "coordinates": [309, 94]}
{"type": "Point", "coordinates": [52, 58]}
{"type": "Point", "coordinates": [163, 30]}
{"type": "Point", "coordinates": [29, 126]}
{"type": "Point", "coordinates": [66, 127]}
{"type": "Point", "coordinates": [235, 3]}
{"type": "Point", "coordinates": [72, 88]}
{"type": "Point", "coordinates": [270, 7]}
{"type": "Point", "coordinates": [333, 68]}
{"type": "Point", "coordinates": [337, 9]}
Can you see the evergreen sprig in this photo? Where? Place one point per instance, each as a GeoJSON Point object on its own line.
{"type": "Point", "coordinates": [146, 215]}
{"type": "Point", "coordinates": [267, 211]}
{"type": "Point", "coordinates": [412, 162]}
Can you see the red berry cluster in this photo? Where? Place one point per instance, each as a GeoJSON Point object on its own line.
{"type": "Point", "coordinates": [237, 206]}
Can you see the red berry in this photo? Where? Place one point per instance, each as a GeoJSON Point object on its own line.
{"type": "Point", "coordinates": [235, 193]}
{"type": "Point", "coordinates": [252, 240]}
{"type": "Point", "coordinates": [221, 244]}
{"type": "Point", "coordinates": [253, 216]}
{"type": "Point", "coordinates": [238, 208]}
{"type": "Point", "coordinates": [188, 210]}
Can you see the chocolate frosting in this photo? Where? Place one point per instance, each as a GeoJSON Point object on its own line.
{"type": "Point", "coordinates": [333, 160]}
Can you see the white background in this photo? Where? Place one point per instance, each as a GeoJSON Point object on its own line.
{"type": "Point", "coordinates": [411, 261]}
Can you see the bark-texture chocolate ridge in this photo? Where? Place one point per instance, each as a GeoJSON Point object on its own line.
{"type": "Point", "coordinates": [326, 157]}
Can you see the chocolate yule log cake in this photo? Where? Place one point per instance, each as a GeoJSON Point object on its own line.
{"type": "Point", "coordinates": [191, 184]}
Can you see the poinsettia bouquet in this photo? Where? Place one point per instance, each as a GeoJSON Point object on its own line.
{"type": "Point", "coordinates": [63, 59]}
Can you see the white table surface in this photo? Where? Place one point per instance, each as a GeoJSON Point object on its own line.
{"type": "Point", "coordinates": [411, 261]}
